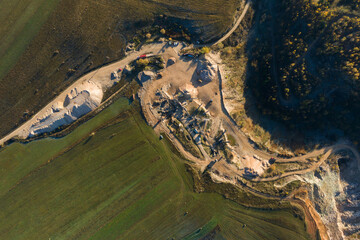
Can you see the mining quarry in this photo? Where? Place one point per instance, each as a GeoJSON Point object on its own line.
{"type": "Point", "coordinates": [183, 99]}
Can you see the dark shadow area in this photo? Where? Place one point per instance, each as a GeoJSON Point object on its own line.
{"type": "Point", "coordinates": [349, 175]}
{"type": "Point", "coordinates": [348, 170]}
{"type": "Point", "coordinates": [326, 114]}
{"type": "Point", "coordinates": [186, 58]}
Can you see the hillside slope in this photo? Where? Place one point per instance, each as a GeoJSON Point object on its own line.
{"type": "Point", "coordinates": [304, 63]}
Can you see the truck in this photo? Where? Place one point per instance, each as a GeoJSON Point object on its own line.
{"type": "Point", "coordinates": [188, 55]}
{"type": "Point", "coordinates": [145, 56]}
{"type": "Point", "coordinates": [114, 75]}
{"type": "Point", "coordinates": [142, 56]}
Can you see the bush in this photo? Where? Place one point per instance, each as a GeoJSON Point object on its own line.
{"type": "Point", "coordinates": [205, 50]}
{"type": "Point", "coordinates": [220, 45]}
{"type": "Point", "coordinates": [142, 62]}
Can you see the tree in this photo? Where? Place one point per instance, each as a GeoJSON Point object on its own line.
{"type": "Point", "coordinates": [220, 45]}
{"type": "Point", "coordinates": [148, 35]}
{"type": "Point", "coordinates": [142, 62]}
{"type": "Point", "coordinates": [162, 31]}
{"type": "Point", "coordinates": [205, 50]}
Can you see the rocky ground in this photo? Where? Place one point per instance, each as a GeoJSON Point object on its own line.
{"type": "Point", "coordinates": [335, 193]}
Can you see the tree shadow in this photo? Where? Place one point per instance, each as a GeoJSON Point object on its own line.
{"type": "Point", "coordinates": [283, 133]}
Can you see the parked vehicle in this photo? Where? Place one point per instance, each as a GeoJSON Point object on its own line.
{"type": "Point", "coordinates": [114, 75]}
{"type": "Point", "coordinates": [272, 160]}
{"type": "Point", "coordinates": [142, 56]}
{"type": "Point", "coordinates": [188, 55]}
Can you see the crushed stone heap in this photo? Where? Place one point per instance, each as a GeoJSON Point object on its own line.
{"type": "Point", "coordinates": [146, 76]}
{"type": "Point", "coordinates": [206, 70]}
{"type": "Point", "coordinates": [77, 103]}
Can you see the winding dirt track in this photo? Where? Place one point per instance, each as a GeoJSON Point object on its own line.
{"type": "Point", "coordinates": [328, 151]}
{"type": "Point", "coordinates": [243, 140]}
{"type": "Point", "coordinates": [237, 23]}
{"type": "Point", "coordinates": [231, 31]}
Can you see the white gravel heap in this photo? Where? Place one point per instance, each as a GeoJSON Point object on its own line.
{"type": "Point", "coordinates": [206, 70]}
{"type": "Point", "coordinates": [78, 102]}
{"type": "Point", "coordinates": [146, 76]}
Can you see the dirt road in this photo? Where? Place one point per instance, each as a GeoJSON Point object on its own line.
{"type": "Point", "coordinates": [232, 128]}
{"type": "Point", "coordinates": [237, 23]}
{"type": "Point", "coordinates": [100, 76]}
{"type": "Point", "coordinates": [328, 151]}
{"type": "Point", "coordinates": [231, 31]}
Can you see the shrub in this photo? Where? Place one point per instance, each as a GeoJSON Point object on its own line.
{"type": "Point", "coordinates": [220, 45]}
{"type": "Point", "coordinates": [142, 62]}
{"type": "Point", "coordinates": [205, 50]}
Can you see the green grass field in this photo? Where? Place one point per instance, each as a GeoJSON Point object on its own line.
{"type": "Point", "coordinates": [121, 182]}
